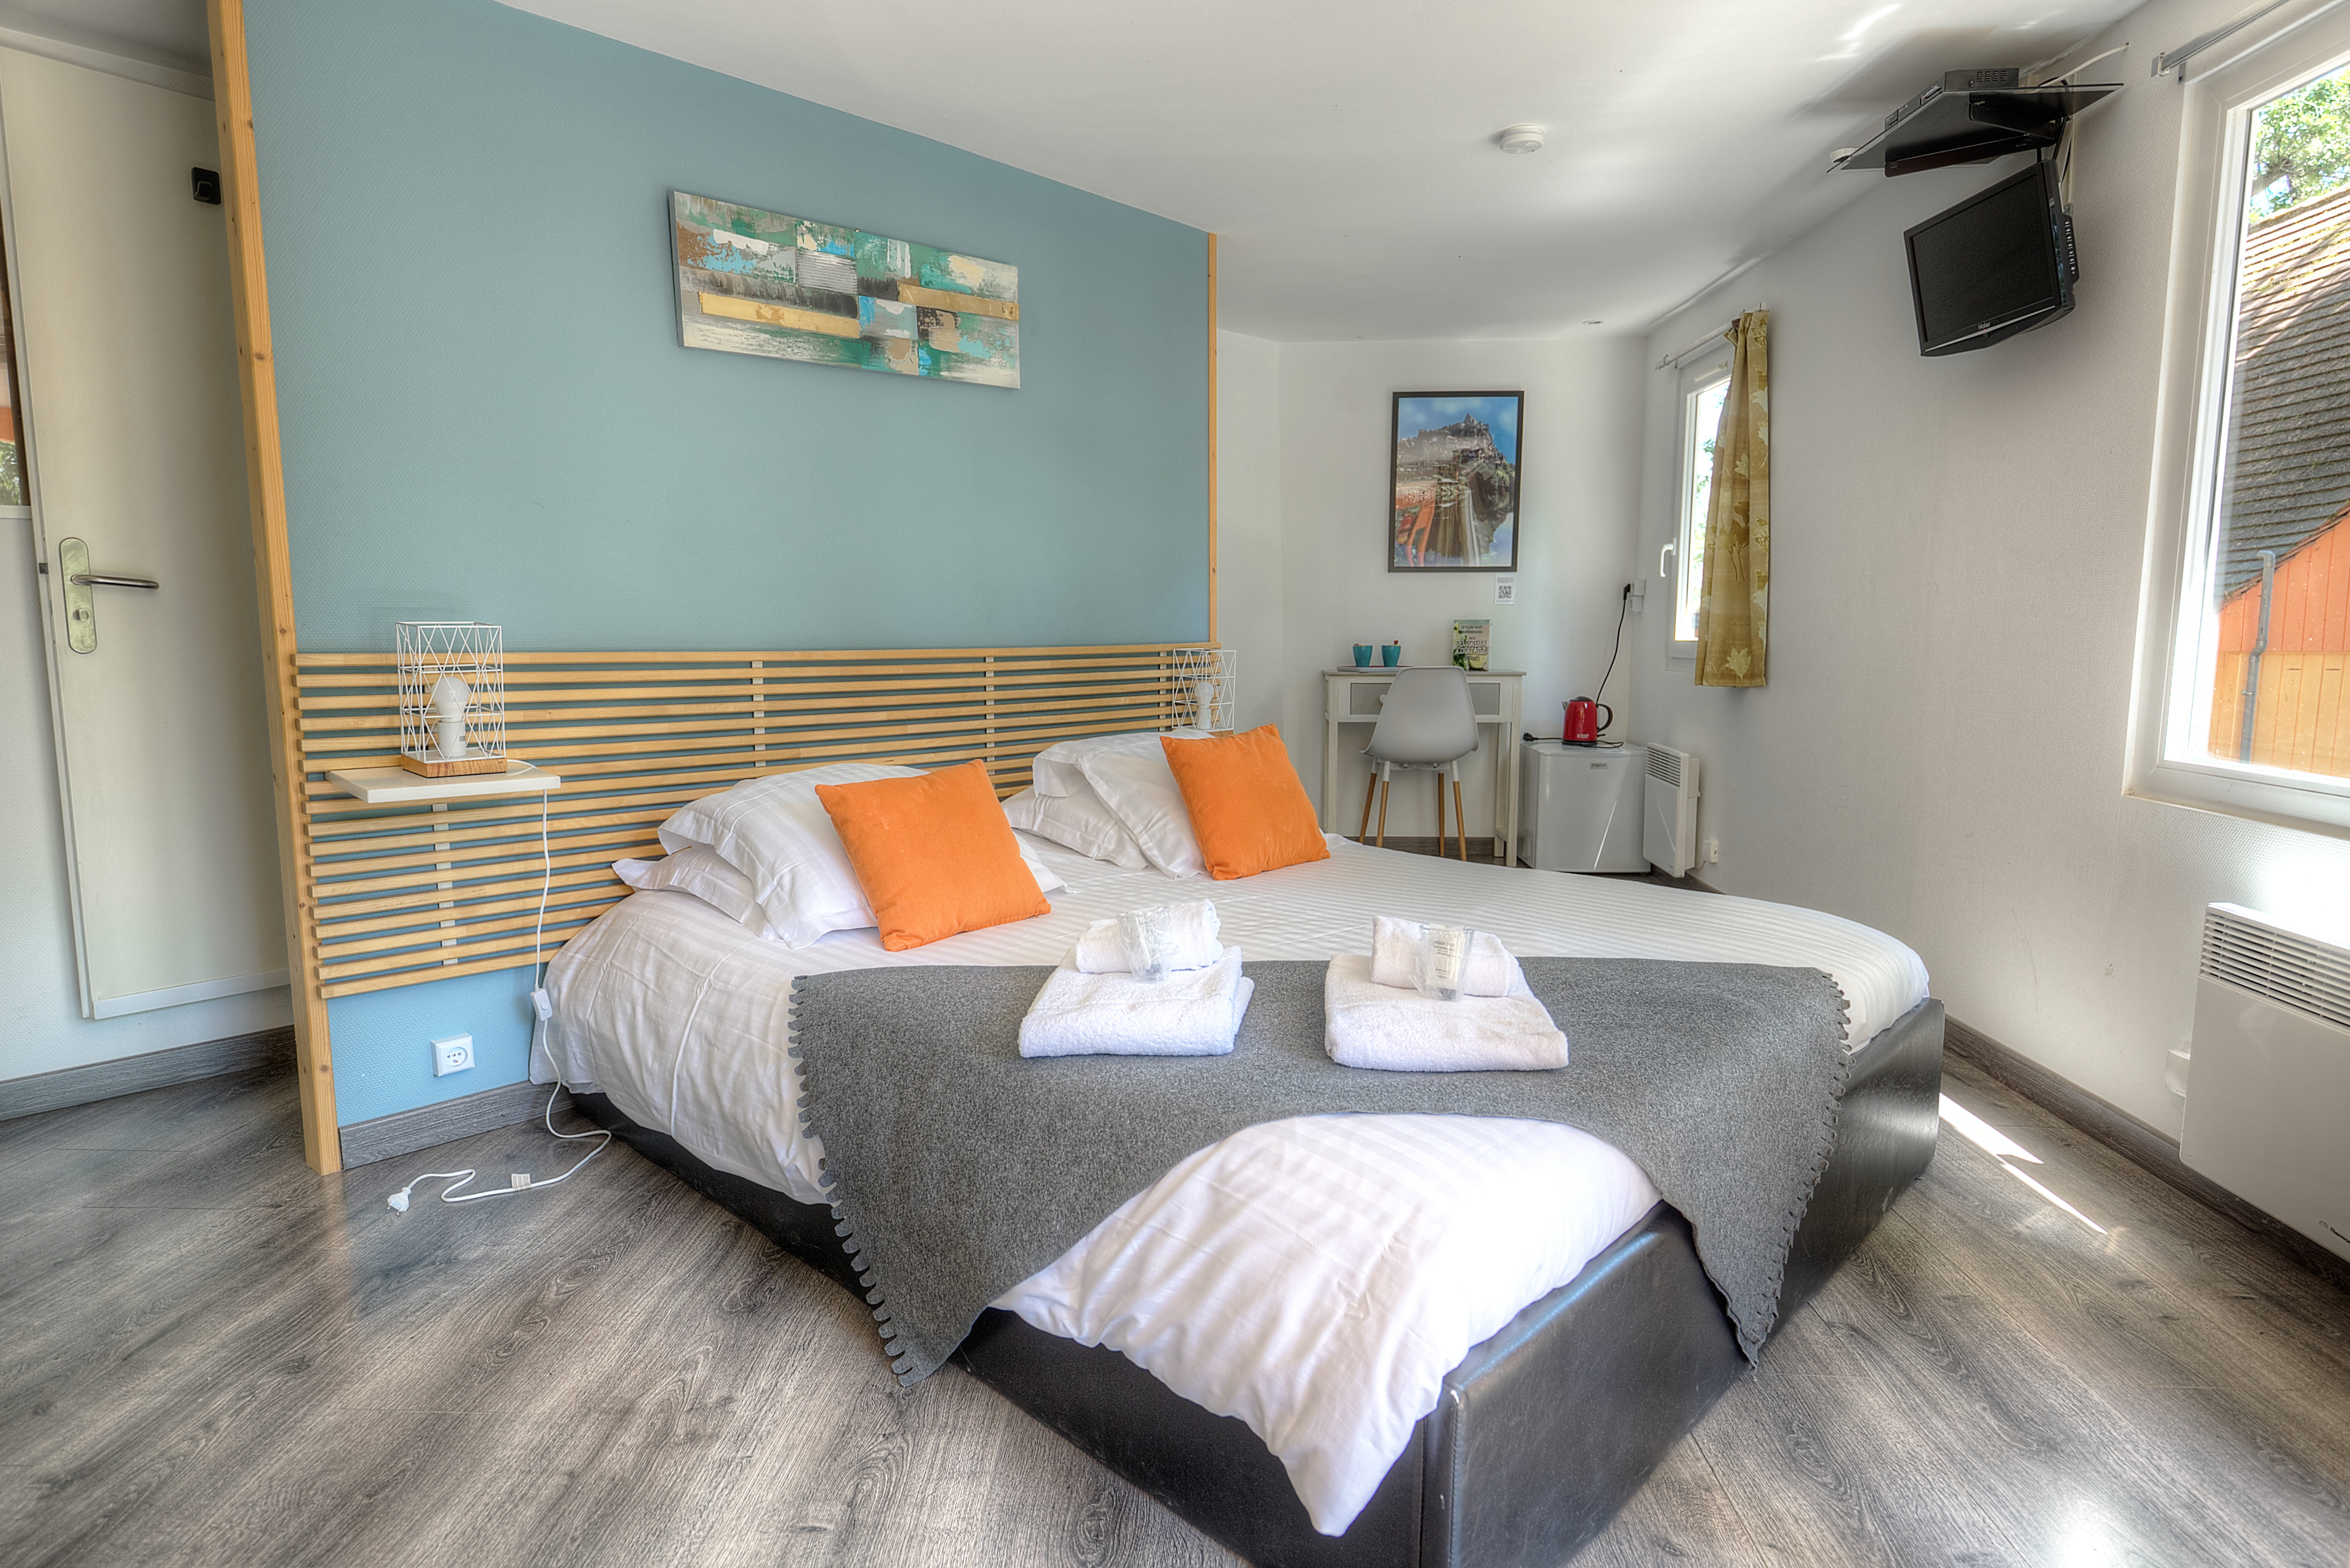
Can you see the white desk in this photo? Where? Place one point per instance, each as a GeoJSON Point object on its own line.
{"type": "Point", "coordinates": [1353, 696]}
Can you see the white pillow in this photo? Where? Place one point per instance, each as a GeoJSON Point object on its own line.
{"type": "Point", "coordinates": [698, 870]}
{"type": "Point", "coordinates": [777, 832]}
{"type": "Point", "coordinates": [1140, 790]}
{"type": "Point", "coordinates": [1078, 820]}
{"type": "Point", "coordinates": [1059, 768]}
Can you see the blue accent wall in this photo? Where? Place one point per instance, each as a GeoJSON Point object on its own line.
{"type": "Point", "coordinates": [486, 413]}
{"type": "Point", "coordinates": [382, 1039]}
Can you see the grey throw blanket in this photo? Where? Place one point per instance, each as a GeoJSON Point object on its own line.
{"type": "Point", "coordinates": [959, 1169]}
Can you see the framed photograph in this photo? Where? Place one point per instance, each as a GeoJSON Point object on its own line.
{"type": "Point", "coordinates": [1453, 482]}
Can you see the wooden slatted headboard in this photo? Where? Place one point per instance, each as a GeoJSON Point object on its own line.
{"type": "Point", "coordinates": [393, 896]}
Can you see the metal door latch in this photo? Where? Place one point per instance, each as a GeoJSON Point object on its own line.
{"type": "Point", "coordinates": [82, 601]}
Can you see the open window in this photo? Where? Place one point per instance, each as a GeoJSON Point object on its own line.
{"type": "Point", "coordinates": [2245, 654]}
{"type": "Point", "coordinates": [1703, 385]}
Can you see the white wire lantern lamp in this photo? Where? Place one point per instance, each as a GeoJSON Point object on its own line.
{"type": "Point", "coordinates": [1207, 687]}
{"type": "Point", "coordinates": [452, 696]}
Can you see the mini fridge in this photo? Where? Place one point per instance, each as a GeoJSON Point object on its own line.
{"type": "Point", "coordinates": [1579, 806]}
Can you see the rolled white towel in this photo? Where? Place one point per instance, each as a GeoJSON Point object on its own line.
{"type": "Point", "coordinates": [1193, 924]}
{"type": "Point", "coordinates": [1367, 1024]}
{"type": "Point", "coordinates": [1395, 958]}
{"type": "Point", "coordinates": [1195, 1014]}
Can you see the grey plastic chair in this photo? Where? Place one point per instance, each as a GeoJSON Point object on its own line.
{"type": "Point", "coordinates": [1427, 721]}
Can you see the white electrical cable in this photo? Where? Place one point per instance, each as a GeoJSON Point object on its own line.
{"type": "Point", "coordinates": [455, 1192]}
{"type": "Point", "coordinates": [545, 886]}
{"type": "Point", "coordinates": [451, 1193]}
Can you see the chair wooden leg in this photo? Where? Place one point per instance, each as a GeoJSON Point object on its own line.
{"type": "Point", "coordinates": [1460, 816]}
{"type": "Point", "coordinates": [1365, 831]}
{"type": "Point", "coordinates": [1383, 814]}
{"type": "Point", "coordinates": [1440, 816]}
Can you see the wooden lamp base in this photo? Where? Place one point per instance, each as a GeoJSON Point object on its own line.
{"type": "Point", "coordinates": [452, 767]}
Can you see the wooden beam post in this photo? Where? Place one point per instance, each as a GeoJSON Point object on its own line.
{"type": "Point", "coordinates": [1213, 583]}
{"type": "Point", "coordinates": [265, 479]}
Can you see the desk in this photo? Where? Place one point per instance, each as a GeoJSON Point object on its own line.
{"type": "Point", "coordinates": [1353, 696]}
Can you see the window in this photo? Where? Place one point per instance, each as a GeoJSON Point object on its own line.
{"type": "Point", "coordinates": [2254, 692]}
{"type": "Point", "coordinates": [1702, 389]}
{"type": "Point", "coordinates": [12, 472]}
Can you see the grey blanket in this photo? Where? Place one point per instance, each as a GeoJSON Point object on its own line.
{"type": "Point", "coordinates": [957, 1169]}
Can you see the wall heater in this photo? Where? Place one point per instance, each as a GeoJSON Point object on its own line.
{"type": "Point", "coordinates": [1668, 830]}
{"type": "Point", "coordinates": [2268, 1093]}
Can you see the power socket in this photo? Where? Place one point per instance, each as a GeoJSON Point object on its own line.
{"type": "Point", "coordinates": [454, 1054]}
{"type": "Point", "coordinates": [1713, 851]}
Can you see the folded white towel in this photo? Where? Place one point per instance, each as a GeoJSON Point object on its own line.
{"type": "Point", "coordinates": [1372, 1025]}
{"type": "Point", "coordinates": [1192, 926]}
{"type": "Point", "coordinates": [1395, 958]}
{"type": "Point", "coordinates": [1194, 1013]}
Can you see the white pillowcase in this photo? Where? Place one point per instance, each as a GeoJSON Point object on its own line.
{"type": "Point", "coordinates": [1059, 769]}
{"type": "Point", "coordinates": [1078, 820]}
{"type": "Point", "coordinates": [1140, 790]}
{"type": "Point", "coordinates": [777, 832]}
{"type": "Point", "coordinates": [701, 871]}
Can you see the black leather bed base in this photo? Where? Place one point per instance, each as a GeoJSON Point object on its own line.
{"type": "Point", "coordinates": [1541, 1434]}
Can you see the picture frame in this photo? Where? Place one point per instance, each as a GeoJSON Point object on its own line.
{"type": "Point", "coordinates": [1455, 474]}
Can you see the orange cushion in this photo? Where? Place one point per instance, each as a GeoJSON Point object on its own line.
{"type": "Point", "coordinates": [934, 855]}
{"type": "Point", "coordinates": [1248, 809]}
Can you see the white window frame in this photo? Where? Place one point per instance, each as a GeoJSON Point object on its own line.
{"type": "Point", "coordinates": [1673, 566]}
{"type": "Point", "coordinates": [2170, 707]}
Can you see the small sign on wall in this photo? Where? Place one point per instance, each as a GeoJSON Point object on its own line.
{"type": "Point", "coordinates": [1505, 590]}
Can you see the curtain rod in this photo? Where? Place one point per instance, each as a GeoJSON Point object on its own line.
{"type": "Point", "coordinates": [1711, 338]}
{"type": "Point", "coordinates": [2171, 60]}
{"type": "Point", "coordinates": [1716, 336]}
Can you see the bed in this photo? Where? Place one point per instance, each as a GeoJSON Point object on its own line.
{"type": "Point", "coordinates": [671, 1022]}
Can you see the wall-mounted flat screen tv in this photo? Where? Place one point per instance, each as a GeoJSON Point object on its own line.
{"type": "Point", "coordinates": [1998, 263]}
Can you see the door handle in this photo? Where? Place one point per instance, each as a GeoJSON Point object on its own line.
{"type": "Point", "coordinates": [81, 603]}
{"type": "Point", "coordinates": [1661, 559]}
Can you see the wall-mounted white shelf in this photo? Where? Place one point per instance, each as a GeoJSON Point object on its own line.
{"type": "Point", "coordinates": [397, 786]}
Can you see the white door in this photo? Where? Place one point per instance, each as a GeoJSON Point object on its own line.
{"type": "Point", "coordinates": [131, 415]}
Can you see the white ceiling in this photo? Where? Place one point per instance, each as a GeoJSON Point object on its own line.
{"type": "Point", "coordinates": [1344, 152]}
{"type": "Point", "coordinates": [160, 32]}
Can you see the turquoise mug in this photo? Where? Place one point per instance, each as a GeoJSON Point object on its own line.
{"type": "Point", "coordinates": [1391, 655]}
{"type": "Point", "coordinates": [1363, 656]}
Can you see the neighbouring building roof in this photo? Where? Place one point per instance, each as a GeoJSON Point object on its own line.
{"type": "Point", "coordinates": [2291, 474]}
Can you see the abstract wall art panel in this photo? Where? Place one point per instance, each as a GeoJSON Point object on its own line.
{"type": "Point", "coordinates": [753, 282]}
{"type": "Point", "coordinates": [1453, 482]}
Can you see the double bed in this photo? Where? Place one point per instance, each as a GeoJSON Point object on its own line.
{"type": "Point", "coordinates": [672, 1025]}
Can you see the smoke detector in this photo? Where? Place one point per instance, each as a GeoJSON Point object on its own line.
{"type": "Point", "coordinates": [1521, 138]}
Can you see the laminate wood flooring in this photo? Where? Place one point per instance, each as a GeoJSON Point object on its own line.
{"type": "Point", "coordinates": [210, 1356]}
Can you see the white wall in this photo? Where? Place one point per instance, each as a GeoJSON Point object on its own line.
{"type": "Point", "coordinates": [1580, 456]}
{"type": "Point", "coordinates": [1248, 520]}
{"type": "Point", "coordinates": [41, 1026]}
{"type": "Point", "coordinates": [1955, 558]}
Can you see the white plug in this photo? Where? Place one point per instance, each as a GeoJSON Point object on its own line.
{"type": "Point", "coordinates": [398, 1201]}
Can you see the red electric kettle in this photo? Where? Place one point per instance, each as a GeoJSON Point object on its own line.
{"type": "Point", "coordinates": [1584, 721]}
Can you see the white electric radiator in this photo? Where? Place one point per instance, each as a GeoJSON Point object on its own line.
{"type": "Point", "coordinates": [2268, 1088]}
{"type": "Point", "coordinates": [1668, 829]}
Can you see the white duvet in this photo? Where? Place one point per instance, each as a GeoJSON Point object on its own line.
{"type": "Point", "coordinates": [1315, 1277]}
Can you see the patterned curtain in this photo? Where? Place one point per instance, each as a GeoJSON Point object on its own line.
{"type": "Point", "coordinates": [1733, 608]}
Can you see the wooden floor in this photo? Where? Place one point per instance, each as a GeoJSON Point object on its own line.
{"type": "Point", "coordinates": [210, 1356]}
{"type": "Point", "coordinates": [1481, 848]}
{"type": "Point", "coordinates": [1481, 853]}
